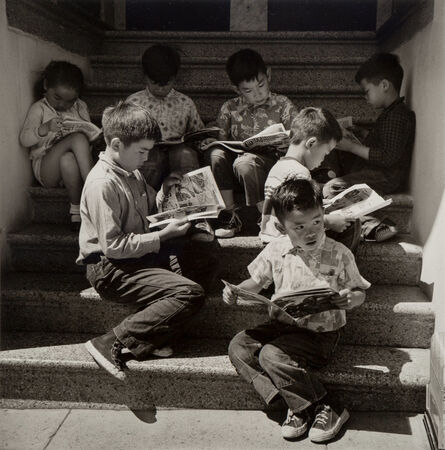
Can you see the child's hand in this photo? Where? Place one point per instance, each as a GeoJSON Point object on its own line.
{"type": "Point", "coordinates": [337, 222]}
{"type": "Point", "coordinates": [54, 125]}
{"type": "Point", "coordinates": [345, 145]}
{"type": "Point", "coordinates": [176, 228]}
{"type": "Point", "coordinates": [229, 296]}
{"type": "Point", "coordinates": [171, 180]}
{"type": "Point", "coordinates": [347, 299]}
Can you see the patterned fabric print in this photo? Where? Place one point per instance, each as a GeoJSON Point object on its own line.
{"type": "Point", "coordinates": [291, 269]}
{"type": "Point", "coordinates": [176, 113]}
{"type": "Point", "coordinates": [239, 120]}
{"type": "Point", "coordinates": [283, 168]}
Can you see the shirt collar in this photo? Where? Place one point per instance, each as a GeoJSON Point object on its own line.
{"type": "Point", "coordinates": [394, 103]}
{"type": "Point", "coordinates": [157, 99]}
{"type": "Point", "coordinates": [289, 249]}
{"type": "Point", "coordinates": [115, 167]}
{"type": "Point", "coordinates": [244, 105]}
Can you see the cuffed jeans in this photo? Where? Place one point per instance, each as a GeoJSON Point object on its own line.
{"type": "Point", "coordinates": [277, 360]}
{"type": "Point", "coordinates": [165, 301]}
{"type": "Point", "coordinates": [250, 169]}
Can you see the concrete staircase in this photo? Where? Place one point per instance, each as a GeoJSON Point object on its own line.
{"type": "Point", "coordinates": [48, 309]}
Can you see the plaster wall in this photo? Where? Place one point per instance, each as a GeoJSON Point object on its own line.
{"type": "Point", "coordinates": [423, 59]}
{"type": "Point", "coordinates": [22, 57]}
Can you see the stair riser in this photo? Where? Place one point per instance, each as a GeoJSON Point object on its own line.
{"type": "Point", "coordinates": [366, 326]}
{"type": "Point", "coordinates": [314, 50]}
{"type": "Point", "coordinates": [214, 391]}
{"type": "Point", "coordinates": [233, 263]}
{"type": "Point", "coordinates": [215, 75]}
{"type": "Point", "coordinates": [208, 105]}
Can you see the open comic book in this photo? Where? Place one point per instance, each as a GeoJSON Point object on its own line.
{"type": "Point", "coordinates": [196, 197]}
{"type": "Point", "coordinates": [346, 125]}
{"type": "Point", "coordinates": [272, 137]}
{"type": "Point", "coordinates": [292, 305]}
{"type": "Point", "coordinates": [356, 201]}
{"type": "Point", "coordinates": [204, 133]}
{"type": "Point", "coordinates": [70, 126]}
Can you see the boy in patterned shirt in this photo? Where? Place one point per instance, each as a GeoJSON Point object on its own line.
{"type": "Point", "coordinates": [251, 112]}
{"type": "Point", "coordinates": [278, 356]}
{"type": "Point", "coordinates": [176, 114]}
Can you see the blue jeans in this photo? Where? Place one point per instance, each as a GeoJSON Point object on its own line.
{"type": "Point", "coordinates": [250, 169]}
{"type": "Point", "coordinates": [164, 301]}
{"type": "Point", "coordinates": [276, 359]}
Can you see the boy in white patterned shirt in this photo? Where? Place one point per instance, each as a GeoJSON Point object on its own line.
{"type": "Point", "coordinates": [277, 357]}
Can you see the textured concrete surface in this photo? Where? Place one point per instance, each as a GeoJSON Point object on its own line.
{"type": "Point", "coordinates": [66, 303]}
{"type": "Point", "coordinates": [167, 429]}
{"type": "Point", "coordinates": [52, 367]}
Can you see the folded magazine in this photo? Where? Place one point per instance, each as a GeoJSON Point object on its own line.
{"type": "Point", "coordinates": [293, 305]}
{"type": "Point", "coordinates": [191, 136]}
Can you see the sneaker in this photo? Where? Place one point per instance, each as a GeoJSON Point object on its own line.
{"type": "Point", "coordinates": [229, 224]}
{"type": "Point", "coordinates": [162, 352]}
{"type": "Point", "coordinates": [294, 426]}
{"type": "Point", "coordinates": [327, 424]}
{"type": "Point", "coordinates": [202, 232]}
{"type": "Point", "coordinates": [107, 352]}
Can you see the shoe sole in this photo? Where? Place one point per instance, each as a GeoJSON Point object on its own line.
{"type": "Point", "coordinates": [296, 432]}
{"type": "Point", "coordinates": [104, 363]}
{"type": "Point", "coordinates": [327, 436]}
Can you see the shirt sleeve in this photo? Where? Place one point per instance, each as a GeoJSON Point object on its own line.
{"type": "Point", "coordinates": [288, 114]}
{"type": "Point", "coordinates": [195, 122]}
{"type": "Point", "coordinates": [392, 138]}
{"type": "Point", "coordinates": [260, 269]}
{"type": "Point", "coordinates": [104, 210]}
{"type": "Point", "coordinates": [350, 277]}
{"type": "Point", "coordinates": [223, 122]}
{"type": "Point", "coordinates": [29, 134]}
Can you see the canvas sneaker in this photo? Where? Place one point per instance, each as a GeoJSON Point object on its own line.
{"type": "Point", "coordinates": [327, 423]}
{"type": "Point", "coordinates": [107, 352]}
{"type": "Point", "coordinates": [202, 232]}
{"type": "Point", "coordinates": [229, 224]}
{"type": "Point", "coordinates": [294, 426]}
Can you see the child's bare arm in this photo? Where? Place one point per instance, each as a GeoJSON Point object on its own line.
{"type": "Point", "coordinates": [349, 299]}
{"type": "Point", "coordinates": [230, 297]}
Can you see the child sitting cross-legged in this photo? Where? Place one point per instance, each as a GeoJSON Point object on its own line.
{"type": "Point", "coordinates": [279, 356]}
{"type": "Point", "coordinates": [255, 108]}
{"type": "Point", "coordinates": [314, 133]}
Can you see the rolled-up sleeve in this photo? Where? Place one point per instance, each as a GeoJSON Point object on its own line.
{"type": "Point", "coordinates": [260, 269]}
{"type": "Point", "coordinates": [105, 212]}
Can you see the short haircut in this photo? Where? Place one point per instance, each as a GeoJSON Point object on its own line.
{"type": "Point", "coordinates": [161, 63]}
{"type": "Point", "coordinates": [245, 65]}
{"type": "Point", "coordinates": [130, 123]}
{"type": "Point", "coordinates": [59, 73]}
{"type": "Point", "coordinates": [296, 193]}
{"type": "Point", "coordinates": [316, 122]}
{"type": "Point", "coordinates": [381, 66]}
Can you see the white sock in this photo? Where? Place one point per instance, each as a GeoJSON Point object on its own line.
{"type": "Point", "coordinates": [74, 209]}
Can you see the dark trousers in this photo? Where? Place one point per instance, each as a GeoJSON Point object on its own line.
{"type": "Point", "coordinates": [165, 301]}
{"type": "Point", "coordinates": [277, 360]}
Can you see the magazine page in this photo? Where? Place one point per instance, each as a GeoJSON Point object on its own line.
{"type": "Point", "coordinates": [356, 201]}
{"type": "Point", "coordinates": [70, 126]}
{"type": "Point", "coordinates": [196, 197]}
{"type": "Point", "coordinates": [345, 125]}
{"type": "Point", "coordinates": [204, 133]}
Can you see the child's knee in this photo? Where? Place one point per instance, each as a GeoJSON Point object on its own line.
{"type": "Point", "coordinates": [238, 350]}
{"type": "Point", "coordinates": [268, 356]}
{"type": "Point", "coordinates": [68, 162]}
{"type": "Point", "coordinates": [79, 140]}
{"type": "Point", "coordinates": [244, 166]}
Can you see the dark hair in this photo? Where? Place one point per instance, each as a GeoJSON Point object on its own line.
{"type": "Point", "coordinates": [59, 73]}
{"type": "Point", "coordinates": [161, 63]}
{"type": "Point", "coordinates": [245, 65]}
{"type": "Point", "coordinates": [317, 122]}
{"type": "Point", "coordinates": [381, 66]}
{"type": "Point", "coordinates": [129, 122]}
{"type": "Point", "coordinates": [296, 193]}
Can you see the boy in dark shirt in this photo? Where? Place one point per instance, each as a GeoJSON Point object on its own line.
{"type": "Point", "coordinates": [383, 161]}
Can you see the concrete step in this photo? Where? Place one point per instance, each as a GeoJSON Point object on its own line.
{"type": "Point", "coordinates": [339, 99]}
{"type": "Point", "coordinates": [51, 205]}
{"type": "Point", "coordinates": [210, 71]}
{"type": "Point", "coordinates": [312, 45]}
{"type": "Point", "coordinates": [58, 369]}
{"type": "Point", "coordinates": [53, 248]}
{"type": "Point", "coordinates": [66, 303]}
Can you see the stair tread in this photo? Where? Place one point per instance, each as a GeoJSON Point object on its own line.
{"type": "Point", "coordinates": [381, 367]}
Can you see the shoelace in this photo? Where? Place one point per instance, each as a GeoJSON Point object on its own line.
{"type": "Point", "coordinates": [116, 351]}
{"type": "Point", "coordinates": [323, 416]}
{"type": "Point", "coordinates": [234, 221]}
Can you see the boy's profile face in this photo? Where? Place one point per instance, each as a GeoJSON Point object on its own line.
{"type": "Point", "coordinates": [304, 227]}
{"type": "Point", "coordinates": [159, 90]}
{"type": "Point", "coordinates": [316, 152]}
{"type": "Point", "coordinates": [255, 91]}
{"type": "Point", "coordinates": [375, 94]}
{"type": "Point", "coordinates": [133, 156]}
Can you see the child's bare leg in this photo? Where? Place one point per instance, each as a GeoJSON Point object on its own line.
{"type": "Point", "coordinates": [71, 177]}
{"type": "Point", "coordinates": [229, 200]}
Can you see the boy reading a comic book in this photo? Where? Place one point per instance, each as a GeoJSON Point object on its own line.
{"type": "Point", "coordinates": [279, 356]}
{"type": "Point", "coordinates": [252, 111]}
{"type": "Point", "coordinates": [383, 160]}
{"type": "Point", "coordinates": [126, 263]}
